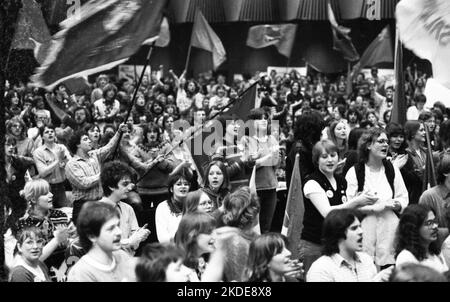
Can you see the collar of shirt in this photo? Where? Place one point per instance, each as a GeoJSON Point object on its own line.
{"type": "Point", "coordinates": [444, 191]}
{"type": "Point", "coordinates": [340, 261]}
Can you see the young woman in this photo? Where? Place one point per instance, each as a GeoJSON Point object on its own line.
{"type": "Point", "coordinates": [198, 201]}
{"type": "Point", "coordinates": [338, 134]}
{"type": "Point", "coordinates": [376, 176]}
{"type": "Point", "coordinates": [28, 266]}
{"type": "Point", "coordinates": [416, 239]}
{"type": "Point", "coordinates": [217, 184]}
{"type": "Point", "coordinates": [399, 157]}
{"type": "Point", "coordinates": [269, 260]}
{"type": "Point", "coordinates": [195, 235]}
{"type": "Point", "coordinates": [54, 224]}
{"type": "Point", "coordinates": [323, 191]}
{"type": "Point", "coordinates": [168, 213]}
{"type": "Point", "coordinates": [153, 183]}
{"type": "Point", "coordinates": [16, 167]}
{"type": "Point", "coordinates": [415, 136]}
{"type": "Point", "coordinates": [265, 148]}
{"type": "Point", "coordinates": [161, 263]}
{"type": "Point", "coordinates": [99, 234]}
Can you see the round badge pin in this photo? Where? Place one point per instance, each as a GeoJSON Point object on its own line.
{"type": "Point", "coordinates": [344, 199]}
{"type": "Point", "coordinates": [330, 194]}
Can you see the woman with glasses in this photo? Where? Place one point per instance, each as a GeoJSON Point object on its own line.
{"type": "Point", "coordinates": [416, 239]}
{"type": "Point", "coordinates": [375, 176]}
{"type": "Point", "coordinates": [28, 267]}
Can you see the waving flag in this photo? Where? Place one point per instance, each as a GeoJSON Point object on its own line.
{"type": "Point", "coordinates": [106, 34]}
{"type": "Point", "coordinates": [379, 51]}
{"type": "Point", "coordinates": [424, 27]}
{"type": "Point", "coordinates": [204, 37]}
{"type": "Point", "coordinates": [398, 114]}
{"type": "Point", "coordinates": [341, 39]}
{"type": "Point", "coordinates": [280, 35]}
{"type": "Point", "coordinates": [295, 209]}
{"type": "Point", "coordinates": [247, 102]}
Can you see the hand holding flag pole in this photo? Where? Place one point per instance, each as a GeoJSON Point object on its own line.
{"type": "Point", "coordinates": [133, 100]}
{"type": "Point", "coordinates": [238, 98]}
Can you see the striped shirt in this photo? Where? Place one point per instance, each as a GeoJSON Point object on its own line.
{"type": "Point", "coordinates": [84, 174]}
{"type": "Point", "coordinates": [336, 269]}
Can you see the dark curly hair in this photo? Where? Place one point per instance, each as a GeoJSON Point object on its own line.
{"type": "Point", "coordinates": [113, 172]}
{"type": "Point", "coordinates": [408, 232]}
{"type": "Point", "coordinates": [365, 140]}
{"type": "Point", "coordinates": [240, 208]}
{"type": "Point", "coordinates": [308, 129]}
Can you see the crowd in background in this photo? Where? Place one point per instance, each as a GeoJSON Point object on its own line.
{"type": "Point", "coordinates": [94, 196]}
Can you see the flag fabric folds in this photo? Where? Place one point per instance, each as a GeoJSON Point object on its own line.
{"type": "Point", "coordinates": [32, 31]}
{"type": "Point", "coordinates": [341, 39]}
{"type": "Point", "coordinates": [107, 34]}
{"type": "Point", "coordinates": [379, 51]}
{"type": "Point", "coordinates": [30, 26]}
{"type": "Point", "coordinates": [241, 107]}
{"type": "Point", "coordinates": [295, 209]}
{"type": "Point", "coordinates": [399, 106]}
{"type": "Point", "coordinates": [424, 28]}
{"type": "Point", "coordinates": [282, 36]}
{"type": "Point", "coordinates": [204, 37]}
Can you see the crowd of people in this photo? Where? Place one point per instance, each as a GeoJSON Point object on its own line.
{"type": "Point", "coordinates": [102, 187]}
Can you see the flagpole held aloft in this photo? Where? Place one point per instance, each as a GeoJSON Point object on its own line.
{"type": "Point", "coordinates": [238, 98]}
{"type": "Point", "coordinates": [133, 100]}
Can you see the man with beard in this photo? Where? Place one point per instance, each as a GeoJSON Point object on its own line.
{"type": "Point", "coordinates": [353, 119]}
{"type": "Point", "coordinates": [343, 259]}
{"type": "Point", "coordinates": [80, 121]}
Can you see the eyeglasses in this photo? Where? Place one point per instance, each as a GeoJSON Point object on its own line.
{"type": "Point", "coordinates": [16, 126]}
{"type": "Point", "coordinates": [430, 223]}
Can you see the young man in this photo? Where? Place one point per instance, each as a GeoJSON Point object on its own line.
{"type": "Point", "coordinates": [83, 170]}
{"type": "Point", "coordinates": [116, 183]}
{"type": "Point", "coordinates": [343, 259]}
{"type": "Point", "coordinates": [100, 235]}
{"type": "Point", "coordinates": [51, 159]}
{"type": "Point", "coordinates": [413, 112]}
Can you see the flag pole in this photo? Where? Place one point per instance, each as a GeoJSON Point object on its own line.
{"type": "Point", "coordinates": [133, 100]}
{"type": "Point", "coordinates": [432, 177]}
{"type": "Point", "coordinates": [190, 41]}
{"type": "Point", "coordinates": [204, 123]}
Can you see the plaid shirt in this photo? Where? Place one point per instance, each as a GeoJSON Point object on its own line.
{"type": "Point", "coordinates": [84, 174]}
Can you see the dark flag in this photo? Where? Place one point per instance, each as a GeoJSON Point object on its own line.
{"type": "Point", "coordinates": [204, 37]}
{"type": "Point", "coordinates": [398, 114]}
{"type": "Point", "coordinates": [341, 39]}
{"type": "Point", "coordinates": [282, 36]}
{"type": "Point", "coordinates": [106, 34]}
{"type": "Point", "coordinates": [242, 106]}
{"type": "Point", "coordinates": [379, 51]}
{"type": "Point", "coordinates": [295, 209]}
